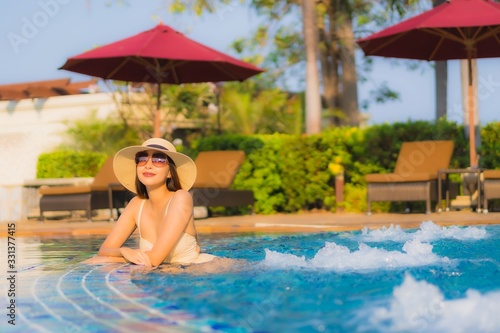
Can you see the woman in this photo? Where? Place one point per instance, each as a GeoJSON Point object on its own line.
{"type": "Point", "coordinates": [162, 211]}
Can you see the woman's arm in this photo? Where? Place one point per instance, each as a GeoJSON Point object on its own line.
{"type": "Point", "coordinates": [180, 212]}
{"type": "Point", "coordinates": [121, 231]}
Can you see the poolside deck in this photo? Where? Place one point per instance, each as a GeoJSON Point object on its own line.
{"type": "Point", "coordinates": [280, 223]}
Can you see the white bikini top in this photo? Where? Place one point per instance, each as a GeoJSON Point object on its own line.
{"type": "Point", "coordinates": [186, 251]}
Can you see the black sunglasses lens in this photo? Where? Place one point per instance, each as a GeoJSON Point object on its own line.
{"type": "Point", "coordinates": [159, 159]}
{"type": "Point", "coordinates": [141, 158]}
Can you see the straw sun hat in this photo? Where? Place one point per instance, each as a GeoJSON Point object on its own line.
{"type": "Point", "coordinates": [125, 168]}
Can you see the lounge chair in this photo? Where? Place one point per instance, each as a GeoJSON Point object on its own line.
{"type": "Point", "coordinates": [415, 174]}
{"type": "Point", "coordinates": [85, 197]}
{"type": "Point", "coordinates": [491, 187]}
{"type": "Point", "coordinates": [216, 172]}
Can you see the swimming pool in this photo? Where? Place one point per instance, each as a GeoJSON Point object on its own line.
{"type": "Point", "coordinates": [431, 279]}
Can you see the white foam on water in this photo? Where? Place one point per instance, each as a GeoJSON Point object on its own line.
{"type": "Point", "coordinates": [431, 231]}
{"type": "Point", "coordinates": [428, 231]}
{"type": "Point", "coordinates": [340, 258]}
{"type": "Point", "coordinates": [393, 233]}
{"type": "Point", "coordinates": [418, 306]}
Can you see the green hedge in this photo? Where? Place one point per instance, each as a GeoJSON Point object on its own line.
{"type": "Point", "coordinates": [290, 173]}
{"type": "Point", "coordinates": [490, 146]}
{"type": "Point", "coordinates": [69, 164]}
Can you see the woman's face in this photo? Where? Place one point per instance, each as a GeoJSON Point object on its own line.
{"type": "Point", "coordinates": [152, 168]}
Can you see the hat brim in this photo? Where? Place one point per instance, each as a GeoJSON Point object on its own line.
{"type": "Point", "coordinates": [125, 168]}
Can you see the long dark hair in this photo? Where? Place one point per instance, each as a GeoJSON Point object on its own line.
{"type": "Point", "coordinates": [173, 182]}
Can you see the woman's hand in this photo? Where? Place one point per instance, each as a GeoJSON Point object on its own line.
{"type": "Point", "coordinates": [137, 257]}
{"type": "Point", "coordinates": [102, 260]}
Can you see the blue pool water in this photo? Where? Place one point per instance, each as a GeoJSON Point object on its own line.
{"type": "Point", "coordinates": [430, 279]}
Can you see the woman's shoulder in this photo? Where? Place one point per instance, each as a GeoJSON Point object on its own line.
{"type": "Point", "coordinates": [135, 202]}
{"type": "Point", "coordinates": [129, 214]}
{"type": "Point", "coordinates": [182, 194]}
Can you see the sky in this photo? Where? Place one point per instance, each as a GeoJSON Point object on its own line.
{"type": "Point", "coordinates": [37, 36]}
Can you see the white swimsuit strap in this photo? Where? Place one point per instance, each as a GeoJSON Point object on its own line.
{"type": "Point", "coordinates": [140, 213]}
{"type": "Point", "coordinates": [139, 216]}
{"type": "Point", "coordinates": [168, 204]}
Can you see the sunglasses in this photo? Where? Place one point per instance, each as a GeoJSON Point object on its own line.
{"type": "Point", "coordinates": [158, 159]}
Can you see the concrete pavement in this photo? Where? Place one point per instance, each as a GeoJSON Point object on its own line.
{"type": "Point", "coordinates": [279, 223]}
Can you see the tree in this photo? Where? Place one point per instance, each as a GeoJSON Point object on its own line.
{"type": "Point", "coordinates": [313, 97]}
{"type": "Point", "coordinates": [441, 80]}
{"type": "Point", "coordinates": [245, 108]}
{"type": "Point", "coordinates": [335, 47]}
{"type": "Point", "coordinates": [349, 100]}
{"type": "Point", "coordinates": [180, 105]}
{"type": "Point", "coordinates": [284, 43]}
{"type": "Point", "coordinates": [93, 134]}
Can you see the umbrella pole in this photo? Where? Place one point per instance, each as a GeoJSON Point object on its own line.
{"type": "Point", "coordinates": [472, 134]}
{"type": "Point", "coordinates": [157, 114]}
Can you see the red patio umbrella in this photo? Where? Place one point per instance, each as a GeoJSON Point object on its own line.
{"type": "Point", "coordinates": [456, 29]}
{"type": "Point", "coordinates": [160, 55]}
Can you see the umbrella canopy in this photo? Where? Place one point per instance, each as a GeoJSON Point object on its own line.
{"type": "Point", "coordinates": [160, 55]}
{"type": "Point", "coordinates": [456, 29]}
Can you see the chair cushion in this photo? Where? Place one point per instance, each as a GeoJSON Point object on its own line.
{"type": "Point", "coordinates": [58, 190]}
{"type": "Point", "coordinates": [399, 178]}
{"type": "Point", "coordinates": [105, 176]}
{"type": "Point", "coordinates": [491, 174]}
{"type": "Point", "coordinates": [217, 169]}
{"type": "Point", "coordinates": [417, 161]}
{"type": "Point", "coordinates": [423, 157]}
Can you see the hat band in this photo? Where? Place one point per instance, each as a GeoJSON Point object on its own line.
{"type": "Point", "coordinates": [157, 146]}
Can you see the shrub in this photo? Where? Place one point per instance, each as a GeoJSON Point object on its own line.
{"type": "Point", "coordinates": [290, 173]}
{"type": "Point", "coordinates": [69, 164]}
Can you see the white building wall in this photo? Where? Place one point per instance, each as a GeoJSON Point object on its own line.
{"type": "Point", "coordinates": [30, 127]}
